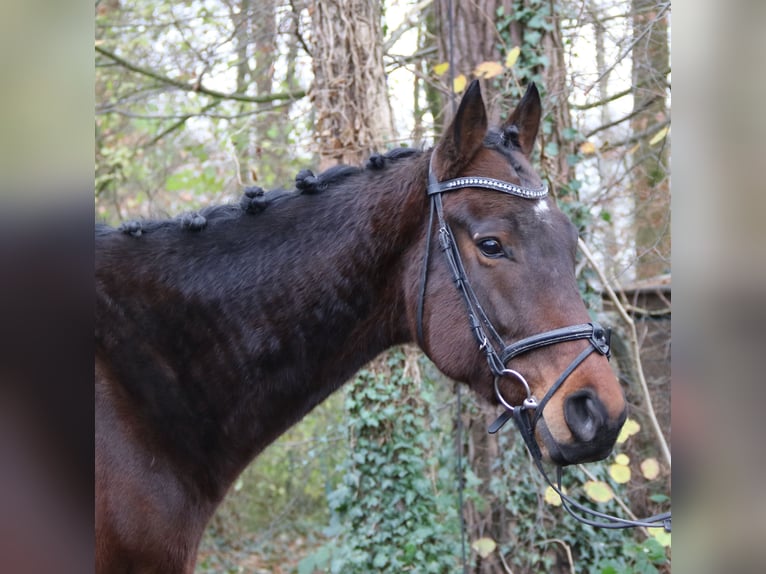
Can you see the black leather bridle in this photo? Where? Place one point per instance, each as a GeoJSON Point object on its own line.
{"type": "Point", "coordinates": [528, 413]}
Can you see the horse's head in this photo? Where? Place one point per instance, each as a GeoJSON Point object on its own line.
{"type": "Point", "coordinates": [516, 250]}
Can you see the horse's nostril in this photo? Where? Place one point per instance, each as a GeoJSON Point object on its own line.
{"type": "Point", "coordinates": [585, 415]}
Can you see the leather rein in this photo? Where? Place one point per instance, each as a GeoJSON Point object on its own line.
{"type": "Point", "coordinates": [498, 354]}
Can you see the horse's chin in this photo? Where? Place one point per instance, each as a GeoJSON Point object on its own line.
{"type": "Point", "coordinates": [564, 454]}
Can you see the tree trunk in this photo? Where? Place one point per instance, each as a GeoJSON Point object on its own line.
{"type": "Point", "coordinates": [353, 114]}
{"type": "Point", "coordinates": [650, 162]}
{"type": "Point", "coordinates": [556, 105]}
{"type": "Point", "coordinates": [475, 40]}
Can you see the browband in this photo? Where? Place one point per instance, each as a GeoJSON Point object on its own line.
{"type": "Point", "coordinates": [435, 187]}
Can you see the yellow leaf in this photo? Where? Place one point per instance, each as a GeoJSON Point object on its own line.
{"type": "Point", "coordinates": [659, 136]}
{"type": "Point", "coordinates": [484, 546]}
{"type": "Point", "coordinates": [634, 149]}
{"type": "Point", "coordinates": [622, 459]}
{"type": "Point", "coordinates": [630, 428]}
{"type": "Point", "coordinates": [598, 491]}
{"type": "Point", "coordinates": [439, 69]}
{"type": "Point", "coordinates": [459, 84]}
{"type": "Point", "coordinates": [587, 148]}
{"type": "Point", "coordinates": [660, 535]}
{"type": "Point", "coordinates": [650, 468]}
{"type": "Point", "coordinates": [552, 497]}
{"type": "Point", "coordinates": [512, 56]}
{"type": "Point", "coordinates": [620, 473]}
{"type": "Point", "coordinates": [488, 70]}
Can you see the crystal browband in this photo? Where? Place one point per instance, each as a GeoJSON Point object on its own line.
{"type": "Point", "coordinates": [488, 183]}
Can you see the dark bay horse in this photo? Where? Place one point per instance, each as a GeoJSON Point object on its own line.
{"type": "Point", "coordinates": [217, 331]}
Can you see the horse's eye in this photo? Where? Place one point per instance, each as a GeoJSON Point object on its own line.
{"type": "Point", "coordinates": [491, 247]}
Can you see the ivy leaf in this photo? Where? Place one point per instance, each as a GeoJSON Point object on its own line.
{"type": "Point", "coordinates": [440, 69]}
{"type": "Point", "coordinates": [488, 69]}
{"type": "Point", "coordinates": [551, 149]}
{"type": "Point", "coordinates": [650, 468]}
{"type": "Point", "coordinates": [598, 491]}
{"type": "Point", "coordinates": [484, 546]}
{"type": "Point", "coordinates": [459, 84]}
{"type": "Point", "coordinates": [620, 473]}
{"type": "Point", "coordinates": [630, 428]}
{"type": "Point", "coordinates": [659, 136]}
{"type": "Point", "coordinates": [380, 560]}
{"type": "Point", "coordinates": [512, 56]}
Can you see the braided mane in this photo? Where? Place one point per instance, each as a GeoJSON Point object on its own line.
{"type": "Point", "coordinates": [256, 199]}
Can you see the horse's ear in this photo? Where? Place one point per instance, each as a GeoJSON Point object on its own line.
{"type": "Point", "coordinates": [526, 119]}
{"type": "Point", "coordinates": [465, 135]}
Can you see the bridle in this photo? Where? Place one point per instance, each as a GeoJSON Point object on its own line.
{"type": "Point", "coordinates": [528, 413]}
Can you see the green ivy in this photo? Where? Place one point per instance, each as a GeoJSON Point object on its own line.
{"type": "Point", "coordinates": [390, 512]}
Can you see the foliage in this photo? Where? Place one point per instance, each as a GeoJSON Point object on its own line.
{"type": "Point", "coordinates": [278, 506]}
{"type": "Point", "coordinates": [164, 146]}
{"type": "Point", "coordinates": [539, 521]}
{"type": "Point", "coordinates": [390, 512]}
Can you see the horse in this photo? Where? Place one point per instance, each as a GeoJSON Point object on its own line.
{"type": "Point", "coordinates": [218, 330]}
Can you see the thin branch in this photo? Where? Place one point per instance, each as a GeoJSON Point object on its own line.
{"type": "Point", "coordinates": [567, 549]}
{"type": "Point", "coordinates": [180, 123]}
{"type": "Point", "coordinates": [632, 114]}
{"type": "Point", "coordinates": [409, 20]}
{"type": "Point", "coordinates": [198, 87]}
{"type": "Point", "coordinates": [635, 347]}
{"type": "Point", "coordinates": [505, 564]}
{"type": "Point", "coordinates": [632, 45]}
{"type": "Point", "coordinates": [202, 113]}
{"type": "Point", "coordinates": [298, 35]}
{"type": "Point", "coordinates": [632, 309]}
{"type": "Point", "coordinates": [616, 96]}
{"type": "Point", "coordinates": [639, 136]}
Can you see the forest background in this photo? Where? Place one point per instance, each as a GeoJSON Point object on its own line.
{"type": "Point", "coordinates": [197, 99]}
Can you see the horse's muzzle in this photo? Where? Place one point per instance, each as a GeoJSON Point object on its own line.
{"type": "Point", "coordinates": [593, 431]}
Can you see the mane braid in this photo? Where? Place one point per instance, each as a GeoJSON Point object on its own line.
{"type": "Point", "coordinates": [255, 199]}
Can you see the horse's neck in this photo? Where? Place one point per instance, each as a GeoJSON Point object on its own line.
{"type": "Point", "coordinates": [268, 327]}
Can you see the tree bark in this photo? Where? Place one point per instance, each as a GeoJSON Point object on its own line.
{"type": "Point", "coordinates": [350, 97]}
{"type": "Point", "coordinates": [475, 40]}
{"type": "Point", "coordinates": [650, 161]}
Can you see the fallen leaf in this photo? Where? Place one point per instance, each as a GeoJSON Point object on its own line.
{"type": "Point", "coordinates": [459, 84]}
{"type": "Point", "coordinates": [440, 69]}
{"type": "Point", "coordinates": [598, 491]}
{"type": "Point", "coordinates": [512, 56]}
{"type": "Point", "coordinates": [630, 428]}
{"type": "Point", "coordinates": [552, 497]}
{"type": "Point", "coordinates": [650, 468]}
{"type": "Point", "coordinates": [488, 69]}
{"type": "Point", "coordinates": [660, 535]}
{"type": "Point", "coordinates": [484, 546]}
{"type": "Point", "coordinates": [620, 473]}
{"type": "Point", "coordinates": [622, 459]}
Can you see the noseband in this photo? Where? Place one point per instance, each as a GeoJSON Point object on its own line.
{"type": "Point", "coordinates": [528, 413]}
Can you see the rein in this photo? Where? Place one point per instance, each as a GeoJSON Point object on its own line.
{"type": "Point", "coordinates": [528, 413]}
